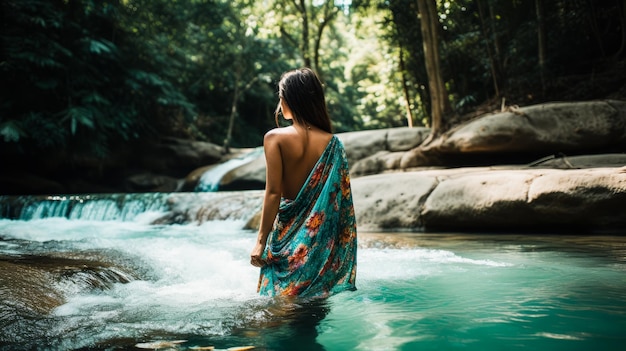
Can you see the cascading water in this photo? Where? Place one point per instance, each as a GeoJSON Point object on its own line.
{"type": "Point", "coordinates": [210, 180]}
{"type": "Point", "coordinates": [121, 282]}
{"type": "Point", "coordinates": [102, 207]}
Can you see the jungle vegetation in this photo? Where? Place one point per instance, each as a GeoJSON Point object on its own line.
{"type": "Point", "coordinates": [86, 78]}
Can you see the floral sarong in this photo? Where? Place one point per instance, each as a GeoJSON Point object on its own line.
{"type": "Point", "coordinates": [311, 250]}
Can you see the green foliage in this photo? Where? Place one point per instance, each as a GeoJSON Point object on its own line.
{"type": "Point", "coordinates": [86, 77]}
{"type": "Point", "coordinates": [74, 83]}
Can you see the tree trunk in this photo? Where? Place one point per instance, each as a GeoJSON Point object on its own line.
{"type": "Point", "coordinates": [405, 89]}
{"type": "Point", "coordinates": [497, 51]}
{"type": "Point", "coordinates": [438, 93]}
{"type": "Point", "coordinates": [621, 6]}
{"type": "Point", "coordinates": [492, 62]}
{"type": "Point", "coordinates": [231, 119]}
{"type": "Point", "coordinates": [233, 109]}
{"type": "Point", "coordinates": [329, 12]}
{"type": "Point", "coordinates": [306, 55]}
{"type": "Point", "coordinates": [541, 43]}
{"type": "Point", "coordinates": [593, 20]}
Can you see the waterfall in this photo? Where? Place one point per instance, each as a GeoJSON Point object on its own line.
{"type": "Point", "coordinates": [158, 208]}
{"type": "Point", "coordinates": [210, 180]}
{"type": "Point", "coordinates": [102, 207]}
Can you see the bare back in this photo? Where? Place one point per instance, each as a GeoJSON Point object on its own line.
{"type": "Point", "coordinates": [300, 151]}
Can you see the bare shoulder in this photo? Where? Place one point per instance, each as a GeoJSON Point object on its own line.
{"type": "Point", "coordinates": [280, 135]}
{"type": "Point", "coordinates": [281, 131]}
{"type": "Point", "coordinates": [295, 144]}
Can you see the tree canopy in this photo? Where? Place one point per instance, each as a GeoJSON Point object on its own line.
{"type": "Point", "coordinates": [85, 78]}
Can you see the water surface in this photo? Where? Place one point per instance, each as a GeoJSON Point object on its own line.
{"type": "Point", "coordinates": [121, 284]}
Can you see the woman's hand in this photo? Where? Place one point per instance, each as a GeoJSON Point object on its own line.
{"type": "Point", "coordinates": [255, 256]}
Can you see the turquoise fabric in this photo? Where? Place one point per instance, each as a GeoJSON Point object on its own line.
{"type": "Point", "coordinates": [311, 250]}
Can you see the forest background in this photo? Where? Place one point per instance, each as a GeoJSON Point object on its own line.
{"type": "Point", "coordinates": [85, 81]}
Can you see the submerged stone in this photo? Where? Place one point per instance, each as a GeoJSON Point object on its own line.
{"type": "Point", "coordinates": [157, 345]}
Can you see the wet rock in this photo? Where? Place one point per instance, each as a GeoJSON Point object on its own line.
{"type": "Point", "coordinates": [250, 176]}
{"type": "Point", "coordinates": [545, 129]}
{"type": "Point", "coordinates": [36, 284]}
{"type": "Point", "coordinates": [202, 207]}
{"type": "Point", "coordinates": [390, 201]}
{"type": "Point", "coordinates": [402, 139]}
{"type": "Point", "coordinates": [583, 161]}
{"type": "Point", "coordinates": [362, 144]}
{"type": "Point", "coordinates": [149, 182]}
{"type": "Point", "coordinates": [490, 199]}
{"type": "Point", "coordinates": [191, 180]}
{"type": "Point", "coordinates": [177, 157]}
{"type": "Point", "coordinates": [159, 345]}
{"type": "Point", "coordinates": [379, 162]}
{"type": "Point", "coordinates": [18, 183]}
{"type": "Point", "coordinates": [466, 199]}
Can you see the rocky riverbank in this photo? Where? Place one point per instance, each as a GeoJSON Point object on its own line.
{"type": "Point", "coordinates": [551, 167]}
{"type": "Point", "coordinates": [479, 199]}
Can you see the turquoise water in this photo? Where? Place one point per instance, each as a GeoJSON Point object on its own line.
{"type": "Point", "coordinates": [415, 291]}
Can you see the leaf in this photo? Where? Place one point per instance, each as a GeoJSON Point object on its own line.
{"type": "Point", "coordinates": [96, 99]}
{"type": "Point", "coordinates": [11, 132]}
{"type": "Point", "coordinates": [38, 21]}
{"type": "Point", "coordinates": [61, 49]}
{"type": "Point", "coordinates": [80, 115]}
{"type": "Point", "coordinates": [101, 46]}
{"type": "Point", "coordinates": [147, 77]}
{"type": "Point", "coordinates": [37, 60]}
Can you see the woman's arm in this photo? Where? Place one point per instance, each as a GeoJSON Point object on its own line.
{"type": "Point", "coordinates": [273, 193]}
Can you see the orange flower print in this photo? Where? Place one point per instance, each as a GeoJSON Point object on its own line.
{"type": "Point", "coordinates": [285, 229]}
{"type": "Point", "coordinates": [326, 267]}
{"type": "Point", "coordinates": [270, 258]}
{"type": "Point", "coordinates": [314, 223]}
{"type": "Point", "coordinates": [325, 178]}
{"type": "Point", "coordinates": [290, 290]}
{"type": "Point", "coordinates": [299, 257]}
{"type": "Point", "coordinates": [294, 289]}
{"type": "Point", "coordinates": [332, 198]}
{"type": "Point", "coordinates": [317, 175]}
{"type": "Point", "coordinates": [346, 236]}
{"type": "Point", "coordinates": [345, 185]}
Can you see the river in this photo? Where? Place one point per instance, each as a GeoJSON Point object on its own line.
{"type": "Point", "coordinates": [117, 281]}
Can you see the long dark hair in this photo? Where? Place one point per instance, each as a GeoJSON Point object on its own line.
{"type": "Point", "coordinates": [303, 92]}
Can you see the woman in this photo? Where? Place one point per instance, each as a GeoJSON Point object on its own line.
{"type": "Point", "coordinates": [307, 212]}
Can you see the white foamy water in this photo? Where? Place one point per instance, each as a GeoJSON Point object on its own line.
{"type": "Point", "coordinates": [210, 180]}
{"type": "Point", "coordinates": [195, 283]}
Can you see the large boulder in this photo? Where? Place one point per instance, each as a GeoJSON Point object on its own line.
{"type": "Point", "coordinates": [362, 144]}
{"type": "Point", "coordinates": [463, 200]}
{"type": "Point", "coordinates": [36, 284]}
{"type": "Point", "coordinates": [148, 182]}
{"type": "Point", "coordinates": [390, 201]}
{"type": "Point", "coordinates": [201, 207]}
{"type": "Point", "coordinates": [549, 128]}
{"type": "Point", "coordinates": [249, 176]}
{"type": "Point", "coordinates": [19, 183]}
{"type": "Point", "coordinates": [466, 199]}
{"type": "Point", "coordinates": [177, 157]}
{"type": "Point", "coordinates": [552, 128]}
